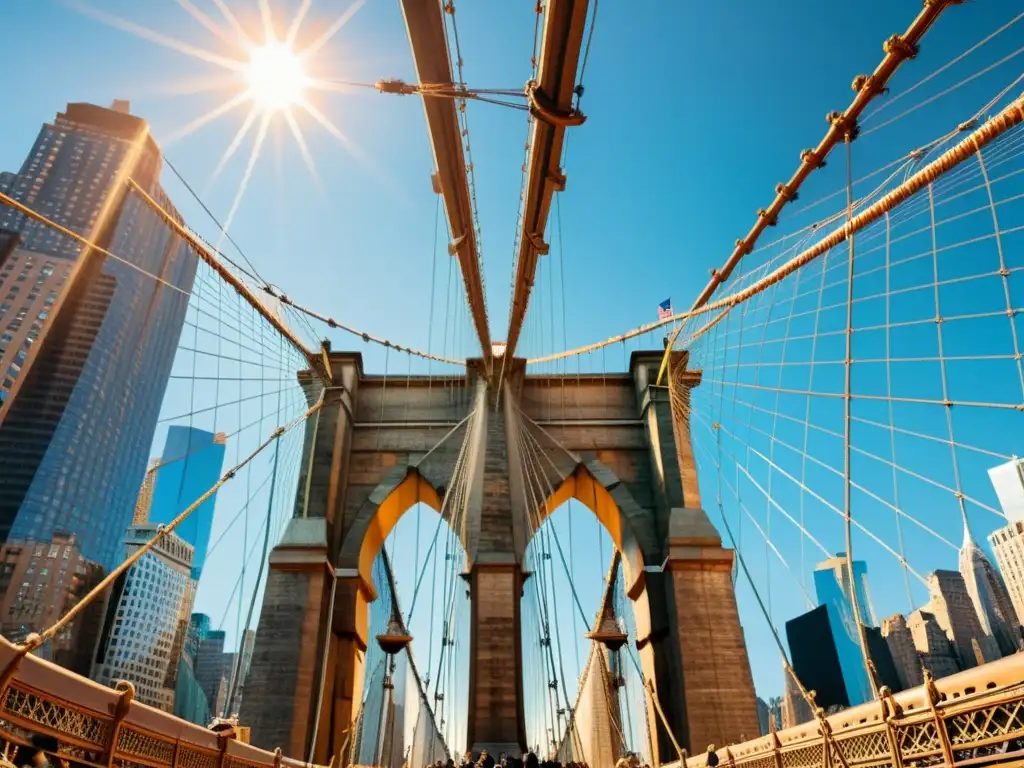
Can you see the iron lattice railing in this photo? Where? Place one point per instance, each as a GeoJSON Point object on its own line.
{"type": "Point", "coordinates": [102, 727]}
{"type": "Point", "coordinates": [971, 718]}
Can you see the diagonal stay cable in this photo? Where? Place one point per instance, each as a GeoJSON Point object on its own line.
{"type": "Point", "coordinates": [34, 641]}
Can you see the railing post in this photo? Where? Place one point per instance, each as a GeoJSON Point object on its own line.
{"type": "Point", "coordinates": [828, 741]}
{"type": "Point", "coordinates": [8, 672]}
{"type": "Point", "coordinates": [124, 703]}
{"type": "Point", "coordinates": [21, 650]}
{"type": "Point", "coordinates": [223, 739]}
{"type": "Point", "coordinates": [826, 752]}
{"type": "Point", "coordinates": [940, 724]}
{"type": "Point", "coordinates": [776, 744]}
{"type": "Point", "coordinates": [890, 710]}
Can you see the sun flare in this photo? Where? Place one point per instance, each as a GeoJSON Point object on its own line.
{"type": "Point", "coordinates": [277, 78]}
{"type": "Point", "coordinates": [273, 78]}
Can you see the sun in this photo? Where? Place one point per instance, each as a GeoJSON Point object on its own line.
{"type": "Point", "coordinates": [276, 76]}
{"type": "Point", "coordinates": [272, 77]}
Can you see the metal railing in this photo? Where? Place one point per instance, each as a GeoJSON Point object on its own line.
{"type": "Point", "coordinates": [102, 727]}
{"type": "Point", "coordinates": [970, 718]}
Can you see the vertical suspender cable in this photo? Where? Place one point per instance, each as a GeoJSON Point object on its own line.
{"type": "Point", "coordinates": [847, 401]}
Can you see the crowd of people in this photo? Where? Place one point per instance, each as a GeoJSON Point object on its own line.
{"type": "Point", "coordinates": [528, 760]}
{"type": "Point", "coordinates": [486, 760]}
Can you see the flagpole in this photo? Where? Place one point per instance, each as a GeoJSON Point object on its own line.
{"type": "Point", "coordinates": [666, 306]}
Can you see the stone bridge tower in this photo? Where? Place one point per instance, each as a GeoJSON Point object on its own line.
{"type": "Point", "coordinates": [378, 446]}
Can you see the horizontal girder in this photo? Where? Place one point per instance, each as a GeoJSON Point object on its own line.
{"type": "Point", "coordinates": [425, 27]}
{"type": "Point", "coordinates": [564, 22]}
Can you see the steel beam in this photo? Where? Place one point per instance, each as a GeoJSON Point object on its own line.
{"type": "Point", "coordinates": [564, 21]}
{"type": "Point", "coordinates": [425, 27]}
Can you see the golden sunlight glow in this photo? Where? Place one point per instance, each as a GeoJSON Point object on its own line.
{"type": "Point", "coordinates": [275, 81]}
{"type": "Point", "coordinates": [276, 76]}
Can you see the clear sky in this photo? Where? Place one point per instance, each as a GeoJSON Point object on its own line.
{"type": "Point", "coordinates": [695, 111]}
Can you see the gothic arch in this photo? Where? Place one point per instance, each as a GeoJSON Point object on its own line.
{"type": "Point", "coordinates": [599, 490]}
{"type": "Point", "coordinates": [399, 492]}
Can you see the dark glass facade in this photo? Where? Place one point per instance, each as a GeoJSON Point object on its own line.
{"type": "Point", "coordinates": [189, 699]}
{"type": "Point", "coordinates": [191, 464]}
{"type": "Point", "coordinates": [832, 588]}
{"type": "Point", "coordinates": [815, 660]}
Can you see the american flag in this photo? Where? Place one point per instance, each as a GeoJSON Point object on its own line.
{"type": "Point", "coordinates": [665, 309]}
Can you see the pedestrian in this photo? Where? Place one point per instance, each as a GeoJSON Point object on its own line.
{"type": "Point", "coordinates": [41, 745]}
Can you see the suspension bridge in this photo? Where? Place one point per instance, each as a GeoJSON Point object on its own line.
{"type": "Point", "coordinates": [838, 391]}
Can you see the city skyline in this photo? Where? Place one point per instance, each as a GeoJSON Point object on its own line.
{"type": "Point", "coordinates": [75, 159]}
{"type": "Point", "coordinates": [973, 606]}
{"type": "Point", "coordinates": [71, 173]}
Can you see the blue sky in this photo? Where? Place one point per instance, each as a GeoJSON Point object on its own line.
{"type": "Point", "coordinates": [707, 127]}
{"type": "Point", "coordinates": [695, 112]}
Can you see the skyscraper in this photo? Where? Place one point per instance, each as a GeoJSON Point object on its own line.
{"type": "Point", "coordinates": [836, 567]}
{"type": "Point", "coordinates": [241, 671]}
{"type": "Point", "coordinates": [81, 408]}
{"type": "Point", "coordinates": [764, 715]}
{"type": "Point", "coordinates": [145, 499]}
{"type": "Point", "coordinates": [1008, 480]}
{"type": "Point", "coordinates": [815, 658]}
{"type": "Point", "coordinates": [141, 626]}
{"type": "Point", "coordinates": [934, 648]}
{"type": "Point", "coordinates": [39, 581]}
{"type": "Point", "coordinates": [904, 653]}
{"type": "Point", "coordinates": [882, 664]}
{"type": "Point", "coordinates": [29, 285]}
{"type": "Point", "coordinates": [989, 595]}
{"type": "Point", "coordinates": [1008, 546]}
{"type": "Point", "coordinates": [954, 611]}
{"type": "Point", "coordinates": [795, 709]}
{"type": "Point", "coordinates": [190, 465]}
{"type": "Point", "coordinates": [210, 670]}
{"type": "Point", "coordinates": [189, 698]}
{"type": "Point", "coordinates": [775, 705]}
{"type": "Point", "coordinates": [832, 586]}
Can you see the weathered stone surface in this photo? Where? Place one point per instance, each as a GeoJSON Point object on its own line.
{"type": "Point", "coordinates": [280, 689]}
{"type": "Point", "coordinates": [495, 695]}
{"type": "Point", "coordinates": [718, 687]}
{"type": "Point", "coordinates": [618, 430]}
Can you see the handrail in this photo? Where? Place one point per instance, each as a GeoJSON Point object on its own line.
{"type": "Point", "coordinates": [99, 725]}
{"type": "Point", "coordinates": [976, 709]}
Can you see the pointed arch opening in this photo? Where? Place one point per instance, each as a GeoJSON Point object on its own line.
{"type": "Point", "coordinates": [412, 490]}
{"type": "Point", "coordinates": [409, 562]}
{"type": "Point", "coordinates": [583, 702]}
{"type": "Point", "coordinates": [584, 486]}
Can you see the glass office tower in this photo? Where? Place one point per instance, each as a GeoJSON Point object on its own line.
{"type": "Point", "coordinates": [832, 585]}
{"type": "Point", "coordinates": [77, 422]}
{"type": "Point", "coordinates": [190, 465]}
{"type": "Point", "coordinates": [88, 340]}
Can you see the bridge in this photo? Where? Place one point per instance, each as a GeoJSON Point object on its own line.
{"type": "Point", "coordinates": [869, 350]}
